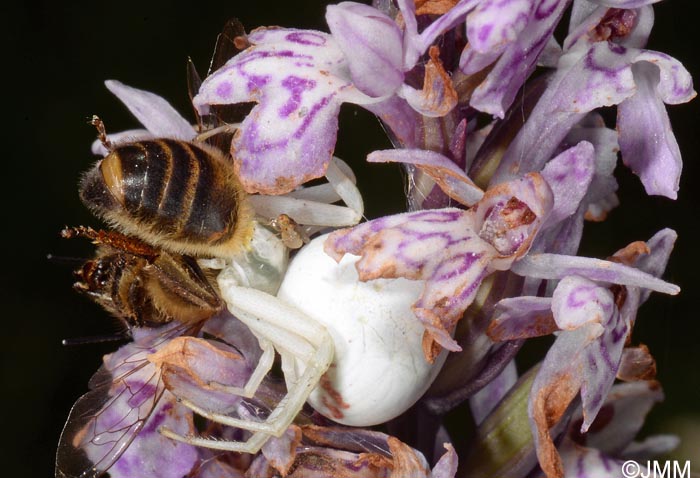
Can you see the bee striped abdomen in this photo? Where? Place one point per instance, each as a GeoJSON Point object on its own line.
{"type": "Point", "coordinates": [183, 196]}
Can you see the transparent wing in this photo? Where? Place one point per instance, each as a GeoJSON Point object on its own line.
{"type": "Point", "coordinates": [104, 422]}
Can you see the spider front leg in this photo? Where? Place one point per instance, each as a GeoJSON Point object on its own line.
{"type": "Point", "coordinates": [312, 206]}
{"type": "Point", "coordinates": [306, 349]}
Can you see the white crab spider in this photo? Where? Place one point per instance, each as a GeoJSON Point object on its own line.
{"type": "Point", "coordinates": [351, 348]}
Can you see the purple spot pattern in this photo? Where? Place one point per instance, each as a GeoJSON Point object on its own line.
{"type": "Point", "coordinates": [296, 87]}
{"type": "Point", "coordinates": [296, 77]}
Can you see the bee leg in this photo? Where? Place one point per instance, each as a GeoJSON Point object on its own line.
{"type": "Point", "coordinates": [113, 239]}
{"type": "Point", "coordinates": [226, 128]}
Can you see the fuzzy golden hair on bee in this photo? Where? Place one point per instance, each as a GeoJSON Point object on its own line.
{"type": "Point", "coordinates": [181, 196]}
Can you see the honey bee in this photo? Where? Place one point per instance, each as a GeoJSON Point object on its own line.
{"type": "Point", "coordinates": [180, 196]}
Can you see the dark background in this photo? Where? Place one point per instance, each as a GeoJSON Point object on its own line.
{"type": "Point", "coordinates": [55, 60]}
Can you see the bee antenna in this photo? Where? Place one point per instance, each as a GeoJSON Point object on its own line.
{"type": "Point", "coordinates": [96, 339]}
{"type": "Point", "coordinates": [65, 260]}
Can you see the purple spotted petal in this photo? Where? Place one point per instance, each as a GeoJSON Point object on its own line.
{"type": "Point", "coordinates": [439, 246]}
{"type": "Point", "coordinates": [152, 111]}
{"type": "Point", "coordinates": [579, 303]}
{"type": "Point", "coordinates": [453, 181]}
{"type": "Point", "coordinates": [451, 249]}
{"type": "Point", "coordinates": [522, 317]}
{"type": "Point", "coordinates": [603, 184]}
{"type": "Point", "coordinates": [496, 23]}
{"type": "Point", "coordinates": [585, 80]}
{"type": "Point", "coordinates": [497, 92]}
{"type": "Point", "coordinates": [297, 77]}
{"type": "Point", "coordinates": [648, 145]}
{"type": "Point", "coordinates": [372, 45]}
{"type": "Point", "coordinates": [491, 27]}
{"type": "Point", "coordinates": [472, 61]}
{"type": "Point", "coordinates": [568, 176]}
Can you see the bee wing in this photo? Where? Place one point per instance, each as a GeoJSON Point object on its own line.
{"type": "Point", "coordinates": [104, 422]}
{"type": "Point", "coordinates": [230, 42]}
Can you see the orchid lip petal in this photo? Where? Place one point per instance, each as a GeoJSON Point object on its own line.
{"type": "Point", "coordinates": [297, 77]}
{"type": "Point", "coordinates": [152, 111]}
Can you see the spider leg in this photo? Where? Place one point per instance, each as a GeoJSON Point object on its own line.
{"type": "Point", "coordinates": [311, 206]}
{"type": "Point", "coordinates": [299, 340]}
{"type": "Point", "coordinates": [264, 365]}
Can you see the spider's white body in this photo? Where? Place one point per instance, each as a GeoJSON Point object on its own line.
{"type": "Point", "coordinates": [378, 368]}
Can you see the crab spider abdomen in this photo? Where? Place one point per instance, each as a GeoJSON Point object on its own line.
{"type": "Point", "coordinates": [379, 369]}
